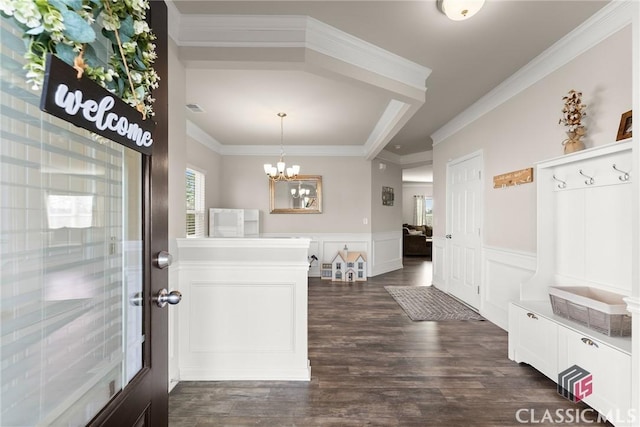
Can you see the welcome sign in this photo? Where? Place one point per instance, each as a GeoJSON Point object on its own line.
{"type": "Point", "coordinates": [90, 106]}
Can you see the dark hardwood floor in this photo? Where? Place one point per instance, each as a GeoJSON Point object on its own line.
{"type": "Point", "coordinates": [372, 365]}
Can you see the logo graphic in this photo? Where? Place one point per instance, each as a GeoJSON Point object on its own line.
{"type": "Point", "coordinates": [575, 383]}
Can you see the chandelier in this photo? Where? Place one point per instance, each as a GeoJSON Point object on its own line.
{"type": "Point", "coordinates": [300, 192]}
{"type": "Point", "coordinates": [281, 172]}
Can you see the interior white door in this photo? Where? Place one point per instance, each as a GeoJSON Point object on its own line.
{"type": "Point", "coordinates": [464, 218]}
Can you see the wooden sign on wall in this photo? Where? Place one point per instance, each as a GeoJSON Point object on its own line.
{"type": "Point", "coordinates": [523, 176]}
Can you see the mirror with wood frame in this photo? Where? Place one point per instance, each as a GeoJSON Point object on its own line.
{"type": "Point", "coordinates": [302, 195]}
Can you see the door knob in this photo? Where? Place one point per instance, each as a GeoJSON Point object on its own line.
{"type": "Point", "coordinates": [165, 297]}
{"type": "Point", "coordinates": [448, 236]}
{"type": "Point", "coordinates": [163, 259]}
{"type": "Point", "coordinates": [136, 299]}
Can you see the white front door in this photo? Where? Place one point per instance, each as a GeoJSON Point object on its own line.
{"type": "Point", "coordinates": [464, 218]}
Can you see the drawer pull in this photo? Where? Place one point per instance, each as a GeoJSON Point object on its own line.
{"type": "Point", "coordinates": [532, 316]}
{"type": "Point", "coordinates": [589, 342]}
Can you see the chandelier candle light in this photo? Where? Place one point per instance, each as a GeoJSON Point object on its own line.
{"type": "Point", "coordinates": [281, 172]}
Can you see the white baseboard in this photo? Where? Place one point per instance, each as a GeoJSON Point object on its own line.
{"type": "Point", "coordinates": [245, 374]}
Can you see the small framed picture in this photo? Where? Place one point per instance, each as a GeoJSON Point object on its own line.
{"type": "Point", "coordinates": [624, 130]}
{"type": "Point", "coordinates": [387, 196]}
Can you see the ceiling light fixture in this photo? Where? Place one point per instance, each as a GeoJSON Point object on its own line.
{"type": "Point", "coordinates": [459, 10]}
{"type": "Point", "coordinates": [281, 172]}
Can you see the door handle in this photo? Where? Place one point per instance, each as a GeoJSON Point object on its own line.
{"type": "Point", "coordinates": [165, 297]}
{"type": "Point", "coordinates": [163, 259]}
{"type": "Point", "coordinates": [448, 236]}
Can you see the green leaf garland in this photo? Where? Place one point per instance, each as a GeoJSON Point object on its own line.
{"type": "Point", "coordinates": [67, 27]}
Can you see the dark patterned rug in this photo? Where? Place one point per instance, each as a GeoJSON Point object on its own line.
{"type": "Point", "coordinates": [430, 303]}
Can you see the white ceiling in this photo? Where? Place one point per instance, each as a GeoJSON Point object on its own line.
{"type": "Point", "coordinates": [351, 74]}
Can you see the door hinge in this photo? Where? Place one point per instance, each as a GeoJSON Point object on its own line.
{"type": "Point", "coordinates": [478, 289]}
{"type": "Point", "coordinates": [479, 174]}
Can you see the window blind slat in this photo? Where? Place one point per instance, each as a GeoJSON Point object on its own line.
{"type": "Point", "coordinates": [62, 323]}
{"type": "Point", "coordinates": [195, 202]}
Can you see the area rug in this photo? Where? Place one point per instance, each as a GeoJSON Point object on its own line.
{"type": "Point", "coordinates": [430, 303]}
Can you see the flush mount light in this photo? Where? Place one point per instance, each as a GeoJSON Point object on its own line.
{"type": "Point", "coordinates": [459, 10]}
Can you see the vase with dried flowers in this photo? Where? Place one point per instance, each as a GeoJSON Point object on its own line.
{"type": "Point", "coordinates": [572, 115]}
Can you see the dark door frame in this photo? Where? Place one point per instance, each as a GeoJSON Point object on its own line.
{"type": "Point", "coordinates": [145, 400]}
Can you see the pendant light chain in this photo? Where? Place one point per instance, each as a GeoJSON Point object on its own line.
{"type": "Point", "coordinates": [282, 116]}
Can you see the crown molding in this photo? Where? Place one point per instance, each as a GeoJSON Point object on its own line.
{"type": "Point", "coordinates": [242, 31]}
{"type": "Point", "coordinates": [197, 134]}
{"type": "Point", "coordinates": [417, 159]}
{"type": "Point", "coordinates": [408, 160]}
{"type": "Point", "coordinates": [173, 20]}
{"type": "Point", "coordinates": [337, 44]}
{"type": "Point", "coordinates": [294, 150]}
{"type": "Point", "coordinates": [280, 31]}
{"type": "Point", "coordinates": [610, 19]}
{"type": "Point", "coordinates": [383, 131]}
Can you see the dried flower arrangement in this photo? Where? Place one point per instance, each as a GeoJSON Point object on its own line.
{"type": "Point", "coordinates": [572, 115]}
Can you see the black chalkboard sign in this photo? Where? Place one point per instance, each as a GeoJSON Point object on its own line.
{"type": "Point", "coordinates": [90, 106]}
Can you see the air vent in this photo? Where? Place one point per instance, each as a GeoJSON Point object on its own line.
{"type": "Point", "coordinates": [195, 108]}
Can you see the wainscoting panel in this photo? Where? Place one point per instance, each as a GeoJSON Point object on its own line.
{"type": "Point", "coordinates": [438, 259]}
{"type": "Point", "coordinates": [387, 252]}
{"type": "Point", "coordinates": [384, 250]}
{"type": "Point", "coordinates": [504, 270]}
{"type": "Point", "coordinates": [234, 309]}
{"type": "Point", "coordinates": [240, 325]}
{"type": "Point", "coordinates": [243, 317]}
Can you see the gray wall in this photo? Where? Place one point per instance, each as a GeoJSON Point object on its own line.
{"type": "Point", "coordinates": [525, 130]}
{"type": "Point", "coordinates": [346, 193]}
{"type": "Point", "coordinates": [385, 218]}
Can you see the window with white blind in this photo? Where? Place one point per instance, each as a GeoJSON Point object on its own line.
{"type": "Point", "coordinates": [422, 211]}
{"type": "Point", "coordinates": [70, 256]}
{"type": "Point", "coordinates": [195, 203]}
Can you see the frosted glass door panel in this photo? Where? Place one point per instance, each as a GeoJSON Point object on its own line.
{"type": "Point", "coordinates": [70, 257]}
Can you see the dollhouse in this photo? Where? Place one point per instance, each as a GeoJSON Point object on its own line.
{"type": "Point", "coordinates": [347, 266]}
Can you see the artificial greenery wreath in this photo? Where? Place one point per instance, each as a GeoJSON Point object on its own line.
{"type": "Point", "coordinates": [65, 28]}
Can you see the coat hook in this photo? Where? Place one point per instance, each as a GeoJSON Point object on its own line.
{"type": "Point", "coordinates": [562, 183]}
{"type": "Point", "coordinates": [590, 179]}
{"type": "Point", "coordinates": [624, 176]}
